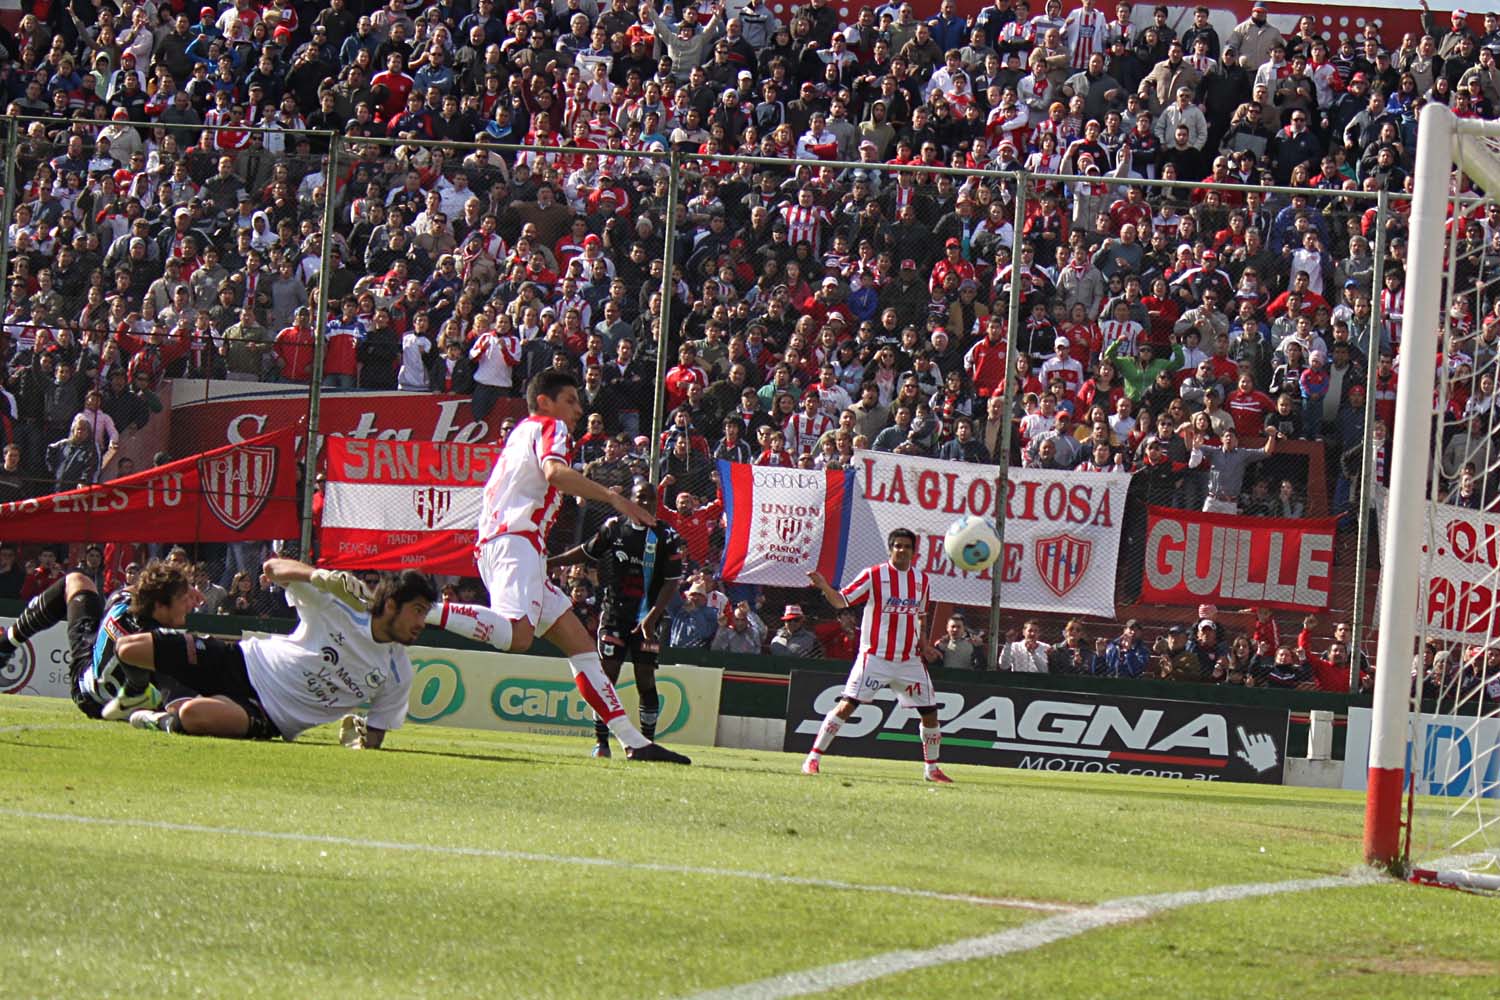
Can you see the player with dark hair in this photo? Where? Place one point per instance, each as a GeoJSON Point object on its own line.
{"type": "Point", "coordinates": [349, 649]}
{"type": "Point", "coordinates": [521, 500]}
{"type": "Point", "coordinates": [102, 686]}
{"type": "Point", "coordinates": [639, 572]}
{"type": "Point", "coordinates": [892, 644]}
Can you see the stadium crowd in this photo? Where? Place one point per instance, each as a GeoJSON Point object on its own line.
{"type": "Point", "coordinates": [815, 310]}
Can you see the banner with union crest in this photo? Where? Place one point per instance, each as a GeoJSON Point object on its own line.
{"type": "Point", "coordinates": [781, 523]}
{"type": "Point", "coordinates": [393, 505]}
{"type": "Point", "coordinates": [238, 493]}
{"type": "Point", "coordinates": [1062, 529]}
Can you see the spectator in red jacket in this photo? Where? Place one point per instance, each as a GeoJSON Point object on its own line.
{"type": "Point", "coordinates": [694, 523]}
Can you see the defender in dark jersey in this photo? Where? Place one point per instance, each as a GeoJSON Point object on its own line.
{"type": "Point", "coordinates": [102, 686]}
{"type": "Point", "coordinates": [639, 571]}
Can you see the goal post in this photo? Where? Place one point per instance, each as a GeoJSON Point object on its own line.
{"type": "Point", "coordinates": [1439, 300]}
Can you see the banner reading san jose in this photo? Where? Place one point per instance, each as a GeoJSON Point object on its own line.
{"type": "Point", "coordinates": [1062, 529]}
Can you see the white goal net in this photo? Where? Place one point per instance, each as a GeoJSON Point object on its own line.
{"type": "Point", "coordinates": [1433, 783]}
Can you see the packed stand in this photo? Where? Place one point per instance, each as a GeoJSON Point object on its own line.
{"type": "Point", "coordinates": [1179, 334]}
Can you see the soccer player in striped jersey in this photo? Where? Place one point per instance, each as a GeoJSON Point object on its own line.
{"type": "Point", "coordinates": [521, 501]}
{"type": "Point", "coordinates": [892, 646]}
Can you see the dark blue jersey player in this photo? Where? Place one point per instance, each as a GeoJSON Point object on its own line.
{"type": "Point", "coordinates": [102, 686]}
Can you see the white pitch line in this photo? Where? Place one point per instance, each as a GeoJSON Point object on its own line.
{"type": "Point", "coordinates": [1017, 939]}
{"type": "Point", "coordinates": [552, 859]}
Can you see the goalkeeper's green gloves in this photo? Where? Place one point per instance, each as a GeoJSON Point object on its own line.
{"type": "Point", "coordinates": [344, 586]}
{"type": "Point", "coordinates": [352, 731]}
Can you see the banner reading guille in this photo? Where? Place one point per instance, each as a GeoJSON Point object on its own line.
{"type": "Point", "coordinates": [1062, 529]}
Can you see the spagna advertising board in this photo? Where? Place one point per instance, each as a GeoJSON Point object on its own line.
{"type": "Point", "coordinates": [1055, 731]}
{"type": "Point", "coordinates": [536, 694]}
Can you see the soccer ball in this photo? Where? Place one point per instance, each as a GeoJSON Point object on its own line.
{"type": "Point", "coordinates": [972, 544]}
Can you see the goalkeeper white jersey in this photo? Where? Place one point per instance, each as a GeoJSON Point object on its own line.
{"type": "Point", "coordinates": [329, 666]}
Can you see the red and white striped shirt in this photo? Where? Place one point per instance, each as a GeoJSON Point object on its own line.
{"type": "Point", "coordinates": [895, 603]}
{"type": "Point", "coordinates": [1128, 333]}
{"type": "Point", "coordinates": [805, 224]}
{"type": "Point", "coordinates": [1392, 305]}
{"type": "Point", "coordinates": [1085, 35]}
{"type": "Point", "coordinates": [803, 431]}
{"type": "Point", "coordinates": [518, 500]}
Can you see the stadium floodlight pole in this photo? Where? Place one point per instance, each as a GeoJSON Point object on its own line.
{"type": "Point", "coordinates": [664, 316]}
{"type": "Point", "coordinates": [8, 211]}
{"type": "Point", "coordinates": [1367, 451]}
{"type": "Point", "coordinates": [1008, 394]}
{"type": "Point", "coordinates": [320, 346]}
{"type": "Point", "coordinates": [1402, 550]}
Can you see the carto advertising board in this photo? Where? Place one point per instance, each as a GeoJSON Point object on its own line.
{"type": "Point", "coordinates": [536, 694]}
{"type": "Point", "coordinates": [1055, 731]}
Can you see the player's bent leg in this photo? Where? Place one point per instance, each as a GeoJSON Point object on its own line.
{"type": "Point", "coordinates": [932, 742]}
{"type": "Point", "coordinates": [214, 715]}
{"type": "Point", "coordinates": [41, 613]}
{"type": "Point", "coordinates": [476, 622]}
{"type": "Point", "coordinates": [567, 633]}
{"type": "Point", "coordinates": [836, 717]}
{"type": "Point", "coordinates": [611, 662]}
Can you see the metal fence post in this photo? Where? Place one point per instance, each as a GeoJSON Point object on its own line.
{"type": "Point", "coordinates": [1002, 481]}
{"type": "Point", "coordinates": [8, 208]}
{"type": "Point", "coordinates": [1367, 457]}
{"type": "Point", "coordinates": [320, 344]}
{"type": "Point", "coordinates": [669, 239]}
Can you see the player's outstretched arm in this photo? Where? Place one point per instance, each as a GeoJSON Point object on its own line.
{"type": "Point", "coordinates": [564, 477]}
{"type": "Point", "coordinates": [568, 558]}
{"type": "Point", "coordinates": [341, 585]}
{"type": "Point", "coordinates": [830, 594]}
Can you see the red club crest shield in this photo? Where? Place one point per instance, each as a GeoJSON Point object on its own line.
{"type": "Point", "coordinates": [1062, 560]}
{"type": "Point", "coordinates": [237, 483]}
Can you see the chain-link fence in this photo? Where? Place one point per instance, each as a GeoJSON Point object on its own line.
{"type": "Point", "coordinates": [807, 302]}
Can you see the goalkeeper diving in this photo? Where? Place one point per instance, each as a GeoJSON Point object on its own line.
{"type": "Point", "coordinates": [348, 651]}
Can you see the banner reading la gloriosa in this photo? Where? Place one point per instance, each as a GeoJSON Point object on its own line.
{"type": "Point", "coordinates": [1062, 529]}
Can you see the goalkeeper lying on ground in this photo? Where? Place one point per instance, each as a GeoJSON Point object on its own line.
{"type": "Point", "coordinates": [349, 650]}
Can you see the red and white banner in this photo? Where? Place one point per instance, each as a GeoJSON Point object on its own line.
{"type": "Point", "coordinates": [208, 415]}
{"type": "Point", "coordinates": [783, 523]}
{"type": "Point", "coordinates": [391, 505]}
{"type": "Point", "coordinates": [243, 492]}
{"type": "Point", "coordinates": [1193, 557]}
{"type": "Point", "coordinates": [1062, 529]}
{"type": "Point", "coordinates": [1462, 567]}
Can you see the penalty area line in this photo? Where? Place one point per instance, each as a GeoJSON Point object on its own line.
{"type": "Point", "coordinates": [1017, 939]}
{"type": "Point", "coordinates": [534, 857]}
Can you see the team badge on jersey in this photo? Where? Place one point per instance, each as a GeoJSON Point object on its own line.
{"type": "Point", "coordinates": [1062, 560]}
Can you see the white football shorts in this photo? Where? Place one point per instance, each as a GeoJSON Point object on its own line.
{"type": "Point", "coordinates": [515, 574]}
{"type": "Point", "coordinates": [907, 678]}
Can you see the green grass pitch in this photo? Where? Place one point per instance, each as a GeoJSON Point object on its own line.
{"type": "Point", "coordinates": [457, 864]}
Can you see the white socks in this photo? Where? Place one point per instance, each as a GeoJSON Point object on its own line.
{"type": "Point", "coordinates": [826, 732]}
{"type": "Point", "coordinates": [472, 621]}
{"type": "Point", "coordinates": [588, 674]}
{"type": "Point", "coordinates": [932, 742]}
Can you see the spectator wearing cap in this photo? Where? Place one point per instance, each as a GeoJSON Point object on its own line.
{"type": "Point", "coordinates": [1174, 661]}
{"type": "Point", "coordinates": [693, 622]}
{"type": "Point", "coordinates": [794, 638]}
{"type": "Point", "coordinates": [1254, 38]}
{"type": "Point", "coordinates": [1451, 36]}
